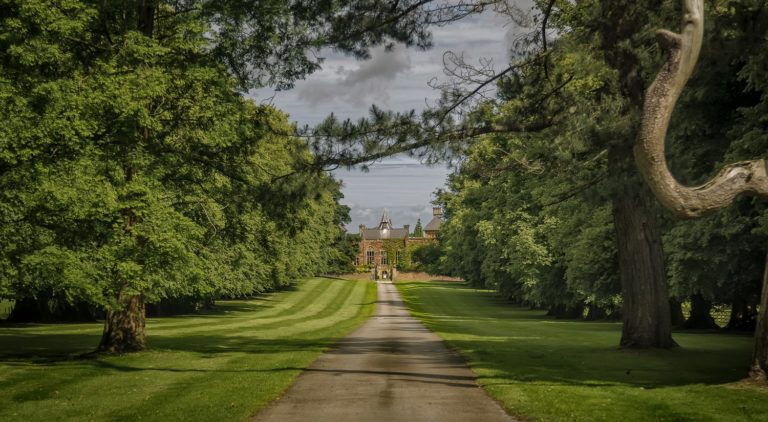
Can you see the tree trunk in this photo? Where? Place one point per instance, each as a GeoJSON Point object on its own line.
{"type": "Point", "coordinates": [646, 321]}
{"type": "Point", "coordinates": [743, 316]}
{"type": "Point", "coordinates": [641, 258]}
{"type": "Point", "coordinates": [700, 313]}
{"type": "Point", "coordinates": [759, 368]}
{"type": "Point", "coordinates": [124, 329]}
{"type": "Point", "coordinates": [677, 318]}
{"type": "Point", "coordinates": [563, 311]}
{"type": "Point", "coordinates": [596, 313]}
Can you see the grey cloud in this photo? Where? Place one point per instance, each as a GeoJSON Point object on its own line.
{"type": "Point", "coordinates": [370, 82]}
{"type": "Point", "coordinates": [398, 81]}
{"type": "Point", "coordinates": [384, 65]}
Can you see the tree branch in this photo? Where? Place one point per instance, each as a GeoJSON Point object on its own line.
{"type": "Point", "coordinates": [544, 21]}
{"type": "Point", "coordinates": [747, 177]}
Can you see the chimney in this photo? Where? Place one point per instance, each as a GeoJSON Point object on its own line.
{"type": "Point", "coordinates": [407, 228]}
{"type": "Point", "coordinates": [437, 211]}
{"type": "Point", "coordinates": [362, 231]}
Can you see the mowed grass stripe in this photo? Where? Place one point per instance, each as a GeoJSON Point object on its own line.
{"type": "Point", "coordinates": [347, 306]}
{"type": "Point", "coordinates": [306, 322]}
{"type": "Point", "coordinates": [288, 359]}
{"type": "Point", "coordinates": [187, 378]}
{"type": "Point", "coordinates": [310, 305]}
{"type": "Point", "coordinates": [544, 369]}
{"type": "Point", "coordinates": [128, 385]}
{"type": "Point", "coordinates": [287, 303]}
{"type": "Point", "coordinates": [290, 301]}
{"type": "Point", "coordinates": [230, 336]}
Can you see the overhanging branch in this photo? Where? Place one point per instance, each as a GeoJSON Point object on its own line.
{"type": "Point", "coordinates": [747, 177]}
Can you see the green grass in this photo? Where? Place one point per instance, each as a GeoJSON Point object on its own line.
{"type": "Point", "coordinates": [224, 365]}
{"type": "Point", "coordinates": [545, 369]}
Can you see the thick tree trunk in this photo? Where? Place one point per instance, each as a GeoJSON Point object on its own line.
{"type": "Point", "coordinates": [641, 258]}
{"type": "Point", "coordinates": [124, 329]}
{"type": "Point", "coordinates": [646, 321]}
{"type": "Point", "coordinates": [700, 313]}
{"type": "Point", "coordinates": [759, 367]}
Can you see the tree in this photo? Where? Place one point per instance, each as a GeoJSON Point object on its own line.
{"type": "Point", "coordinates": [747, 177]}
{"type": "Point", "coordinates": [133, 170]}
{"type": "Point", "coordinates": [418, 231]}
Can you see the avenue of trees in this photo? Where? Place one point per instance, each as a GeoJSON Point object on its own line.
{"type": "Point", "coordinates": [134, 169]}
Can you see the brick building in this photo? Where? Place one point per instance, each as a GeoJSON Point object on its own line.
{"type": "Point", "coordinates": [377, 241]}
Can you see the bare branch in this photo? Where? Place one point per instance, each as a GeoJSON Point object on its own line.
{"type": "Point", "coordinates": [547, 13]}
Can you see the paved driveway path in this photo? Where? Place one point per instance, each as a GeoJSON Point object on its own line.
{"type": "Point", "coordinates": [390, 369]}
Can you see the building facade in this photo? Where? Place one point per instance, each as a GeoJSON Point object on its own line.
{"type": "Point", "coordinates": [381, 247]}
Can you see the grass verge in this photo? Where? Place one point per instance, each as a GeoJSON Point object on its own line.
{"type": "Point", "coordinates": [224, 365]}
{"type": "Point", "coordinates": [545, 369]}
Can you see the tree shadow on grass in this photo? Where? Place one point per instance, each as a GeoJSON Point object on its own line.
{"type": "Point", "coordinates": [36, 349]}
{"type": "Point", "coordinates": [595, 366]}
{"type": "Point", "coordinates": [511, 344]}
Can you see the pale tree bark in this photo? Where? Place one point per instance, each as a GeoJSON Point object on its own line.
{"type": "Point", "coordinates": [746, 177]}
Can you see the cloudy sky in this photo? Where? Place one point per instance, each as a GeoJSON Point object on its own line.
{"type": "Point", "coordinates": [395, 80]}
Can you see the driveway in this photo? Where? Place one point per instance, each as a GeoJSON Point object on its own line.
{"type": "Point", "coordinates": [390, 369]}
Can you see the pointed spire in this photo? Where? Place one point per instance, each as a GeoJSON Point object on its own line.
{"type": "Point", "coordinates": [386, 222]}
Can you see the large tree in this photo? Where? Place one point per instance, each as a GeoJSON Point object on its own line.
{"type": "Point", "coordinates": [132, 168]}
{"type": "Point", "coordinates": [747, 177]}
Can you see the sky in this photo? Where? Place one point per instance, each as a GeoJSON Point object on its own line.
{"type": "Point", "coordinates": [396, 80]}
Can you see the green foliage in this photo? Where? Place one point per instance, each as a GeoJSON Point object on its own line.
{"type": "Point", "coordinates": [6, 306]}
{"type": "Point", "coordinates": [721, 119]}
{"type": "Point", "coordinates": [362, 269]}
{"type": "Point", "coordinates": [343, 253]}
{"type": "Point", "coordinates": [130, 165]}
{"type": "Point", "coordinates": [418, 231]}
{"type": "Point", "coordinates": [425, 257]}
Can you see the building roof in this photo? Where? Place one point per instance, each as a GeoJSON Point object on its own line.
{"type": "Point", "coordinates": [384, 230]}
{"type": "Point", "coordinates": [376, 234]}
{"type": "Point", "coordinates": [434, 224]}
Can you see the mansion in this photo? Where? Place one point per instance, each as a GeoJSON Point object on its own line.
{"type": "Point", "coordinates": [378, 243]}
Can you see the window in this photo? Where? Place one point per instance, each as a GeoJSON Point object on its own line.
{"type": "Point", "coordinates": [357, 260]}
{"type": "Point", "coordinates": [384, 258]}
{"type": "Point", "coordinates": [370, 259]}
{"type": "Point", "coordinates": [398, 257]}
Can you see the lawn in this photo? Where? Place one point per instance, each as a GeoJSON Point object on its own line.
{"type": "Point", "coordinates": [545, 369]}
{"type": "Point", "coordinates": [224, 365]}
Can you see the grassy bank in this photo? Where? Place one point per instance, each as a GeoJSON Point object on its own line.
{"type": "Point", "coordinates": [545, 369]}
{"type": "Point", "coordinates": [219, 366]}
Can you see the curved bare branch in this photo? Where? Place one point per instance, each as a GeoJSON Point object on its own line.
{"type": "Point", "coordinates": [746, 177]}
